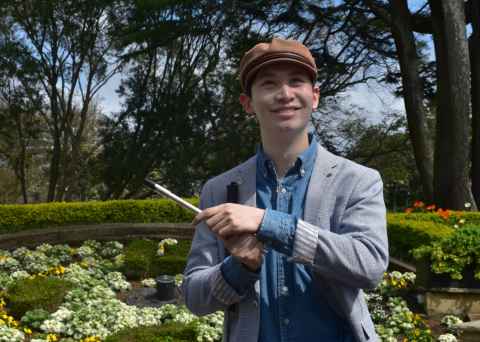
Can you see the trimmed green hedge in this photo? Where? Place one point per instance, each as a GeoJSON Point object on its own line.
{"type": "Point", "coordinates": [170, 332]}
{"type": "Point", "coordinates": [409, 231]}
{"type": "Point", "coordinates": [15, 218]}
{"type": "Point", "coordinates": [37, 293]}
{"type": "Point", "coordinates": [406, 232]}
{"type": "Point", "coordinates": [142, 261]}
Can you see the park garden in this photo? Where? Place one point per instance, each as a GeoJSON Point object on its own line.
{"type": "Point", "coordinates": [79, 290]}
{"type": "Point", "coordinates": [95, 96]}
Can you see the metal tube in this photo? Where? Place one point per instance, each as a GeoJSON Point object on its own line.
{"type": "Point", "coordinates": [160, 189]}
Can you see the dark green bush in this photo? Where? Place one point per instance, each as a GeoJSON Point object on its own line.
{"type": "Point", "coordinates": [406, 232]}
{"type": "Point", "coordinates": [454, 253]}
{"type": "Point", "coordinates": [35, 318]}
{"type": "Point", "coordinates": [170, 332]}
{"type": "Point", "coordinates": [142, 261]}
{"type": "Point", "coordinates": [45, 293]}
{"type": "Point", "coordinates": [14, 218]}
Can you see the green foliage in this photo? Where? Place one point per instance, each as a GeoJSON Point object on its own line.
{"type": "Point", "coordinates": [406, 232]}
{"type": "Point", "coordinates": [14, 218]}
{"type": "Point", "coordinates": [452, 254]}
{"type": "Point", "coordinates": [45, 293]}
{"type": "Point", "coordinates": [171, 332]}
{"type": "Point", "coordinates": [35, 318]}
{"type": "Point", "coordinates": [142, 261]}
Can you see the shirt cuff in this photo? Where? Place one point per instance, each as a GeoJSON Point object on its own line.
{"type": "Point", "coordinates": [305, 244]}
{"type": "Point", "coordinates": [237, 275]}
{"type": "Point", "coordinates": [278, 231]}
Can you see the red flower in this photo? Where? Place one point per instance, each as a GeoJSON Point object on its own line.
{"type": "Point", "coordinates": [430, 207]}
{"type": "Point", "coordinates": [445, 214]}
{"type": "Point", "coordinates": [408, 210]}
{"type": "Point", "coordinates": [418, 204]}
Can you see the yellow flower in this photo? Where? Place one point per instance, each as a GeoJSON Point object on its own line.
{"type": "Point", "coordinates": [52, 338]}
{"type": "Point", "coordinates": [27, 331]}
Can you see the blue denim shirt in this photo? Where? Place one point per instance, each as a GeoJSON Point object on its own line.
{"type": "Point", "coordinates": [290, 310]}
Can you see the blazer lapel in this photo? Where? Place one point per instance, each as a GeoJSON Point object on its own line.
{"type": "Point", "coordinates": [247, 185]}
{"type": "Point", "coordinates": [323, 170]}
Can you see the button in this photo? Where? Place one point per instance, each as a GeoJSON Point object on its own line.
{"type": "Point", "coordinates": [284, 290]}
{"type": "Point", "coordinates": [284, 190]}
{"type": "Point", "coordinates": [286, 321]}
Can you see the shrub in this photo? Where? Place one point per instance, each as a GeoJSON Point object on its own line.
{"type": "Point", "coordinates": [45, 293]}
{"type": "Point", "coordinates": [452, 254]}
{"type": "Point", "coordinates": [14, 218]}
{"type": "Point", "coordinates": [139, 256]}
{"type": "Point", "coordinates": [35, 318]}
{"type": "Point", "coordinates": [406, 232]}
{"type": "Point", "coordinates": [171, 332]}
{"type": "Point", "coordinates": [142, 261]}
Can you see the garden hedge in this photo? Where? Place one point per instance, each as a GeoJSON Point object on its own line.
{"type": "Point", "coordinates": [15, 218]}
{"type": "Point", "coordinates": [170, 332]}
{"type": "Point", "coordinates": [45, 293]}
{"type": "Point", "coordinates": [141, 259]}
{"type": "Point", "coordinates": [405, 231]}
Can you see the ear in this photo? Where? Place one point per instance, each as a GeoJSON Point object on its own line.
{"type": "Point", "coordinates": [316, 97]}
{"type": "Point", "coordinates": [246, 103]}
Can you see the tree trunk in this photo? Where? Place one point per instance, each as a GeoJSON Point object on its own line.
{"type": "Point", "coordinates": [413, 93]}
{"type": "Point", "coordinates": [20, 168]}
{"type": "Point", "coordinates": [475, 66]}
{"type": "Point", "coordinates": [452, 150]}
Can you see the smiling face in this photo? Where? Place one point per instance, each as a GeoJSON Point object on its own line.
{"type": "Point", "coordinates": [283, 98]}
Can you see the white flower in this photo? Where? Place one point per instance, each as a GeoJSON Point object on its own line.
{"type": "Point", "coordinates": [20, 275]}
{"type": "Point", "coordinates": [149, 282]}
{"type": "Point", "coordinates": [447, 338]}
{"type": "Point", "coordinates": [468, 205]}
{"type": "Point", "coordinates": [450, 320]}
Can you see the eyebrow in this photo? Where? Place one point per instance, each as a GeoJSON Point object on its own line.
{"type": "Point", "coordinates": [272, 74]}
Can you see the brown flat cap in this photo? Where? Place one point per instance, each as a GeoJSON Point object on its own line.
{"type": "Point", "coordinates": [278, 50]}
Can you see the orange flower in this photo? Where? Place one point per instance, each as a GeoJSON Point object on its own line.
{"type": "Point", "coordinates": [418, 204]}
{"type": "Point", "coordinates": [408, 210]}
{"type": "Point", "coordinates": [445, 214]}
{"type": "Point", "coordinates": [430, 207]}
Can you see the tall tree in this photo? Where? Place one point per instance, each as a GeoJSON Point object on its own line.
{"type": "Point", "coordinates": [64, 55]}
{"type": "Point", "coordinates": [446, 22]}
{"type": "Point", "coordinates": [397, 15]}
{"type": "Point", "coordinates": [452, 147]}
{"type": "Point", "coordinates": [474, 46]}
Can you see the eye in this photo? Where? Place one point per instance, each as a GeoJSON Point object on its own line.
{"type": "Point", "coordinates": [267, 83]}
{"type": "Point", "coordinates": [297, 81]}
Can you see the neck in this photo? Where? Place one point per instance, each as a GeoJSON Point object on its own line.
{"type": "Point", "coordinates": [284, 152]}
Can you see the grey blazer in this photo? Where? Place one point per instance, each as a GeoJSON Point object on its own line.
{"type": "Point", "coordinates": [342, 239]}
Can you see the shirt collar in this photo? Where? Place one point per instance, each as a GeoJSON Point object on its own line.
{"type": "Point", "coordinates": [304, 161]}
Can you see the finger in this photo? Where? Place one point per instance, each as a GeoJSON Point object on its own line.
{"type": "Point", "coordinates": [222, 223]}
{"type": "Point", "coordinates": [204, 215]}
{"type": "Point", "coordinates": [214, 220]}
{"type": "Point", "coordinates": [225, 232]}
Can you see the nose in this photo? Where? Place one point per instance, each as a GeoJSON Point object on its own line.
{"type": "Point", "coordinates": [284, 93]}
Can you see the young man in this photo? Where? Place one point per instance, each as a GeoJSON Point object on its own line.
{"type": "Point", "coordinates": [289, 261]}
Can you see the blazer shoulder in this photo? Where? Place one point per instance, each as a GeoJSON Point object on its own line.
{"type": "Point", "coordinates": [347, 167]}
{"type": "Point", "coordinates": [235, 174]}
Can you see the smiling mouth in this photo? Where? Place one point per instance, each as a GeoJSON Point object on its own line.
{"type": "Point", "coordinates": [285, 110]}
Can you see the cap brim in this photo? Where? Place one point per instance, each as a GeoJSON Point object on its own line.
{"type": "Point", "coordinates": [253, 71]}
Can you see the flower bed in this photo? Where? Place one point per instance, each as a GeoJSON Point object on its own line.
{"type": "Point", "coordinates": [92, 311]}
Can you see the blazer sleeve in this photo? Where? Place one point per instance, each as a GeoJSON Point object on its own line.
{"type": "Point", "coordinates": [355, 252]}
{"type": "Point", "coordinates": [204, 287]}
